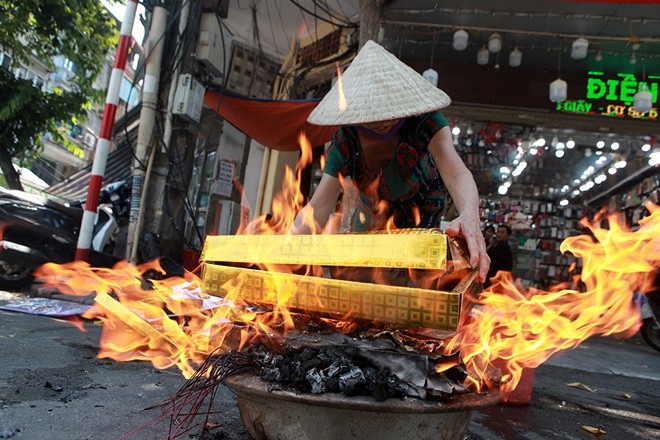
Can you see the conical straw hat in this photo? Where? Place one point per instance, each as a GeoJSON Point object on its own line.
{"type": "Point", "coordinates": [378, 87]}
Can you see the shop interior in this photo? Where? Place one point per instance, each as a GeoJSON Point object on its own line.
{"type": "Point", "coordinates": [544, 161]}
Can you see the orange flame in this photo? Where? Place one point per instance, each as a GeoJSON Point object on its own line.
{"type": "Point", "coordinates": [168, 322]}
{"type": "Point", "coordinates": [172, 322]}
{"type": "Point", "coordinates": [343, 105]}
{"type": "Point", "coordinates": [519, 328]}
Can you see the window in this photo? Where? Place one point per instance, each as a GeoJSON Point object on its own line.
{"type": "Point", "coordinates": [20, 72]}
{"type": "Point", "coordinates": [128, 93]}
{"type": "Point", "coordinates": [135, 61]}
{"type": "Point", "coordinates": [320, 49]}
{"type": "Point", "coordinates": [6, 61]}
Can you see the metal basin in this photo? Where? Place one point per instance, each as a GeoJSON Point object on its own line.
{"type": "Point", "coordinates": [286, 415]}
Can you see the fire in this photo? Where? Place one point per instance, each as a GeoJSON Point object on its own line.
{"type": "Point", "coordinates": [172, 322]}
{"type": "Point", "coordinates": [167, 322]}
{"type": "Point", "coordinates": [343, 105]}
{"type": "Point", "coordinates": [519, 328]}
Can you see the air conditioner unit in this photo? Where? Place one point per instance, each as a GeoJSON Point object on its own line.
{"type": "Point", "coordinates": [213, 45]}
{"type": "Point", "coordinates": [188, 98]}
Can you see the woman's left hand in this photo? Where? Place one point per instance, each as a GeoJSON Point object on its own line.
{"type": "Point", "coordinates": [469, 227]}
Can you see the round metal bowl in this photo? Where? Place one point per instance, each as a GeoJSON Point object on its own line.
{"type": "Point", "coordinates": [287, 415]}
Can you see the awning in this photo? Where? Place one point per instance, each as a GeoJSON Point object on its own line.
{"type": "Point", "coordinates": [274, 124]}
{"type": "Point", "coordinates": [119, 166]}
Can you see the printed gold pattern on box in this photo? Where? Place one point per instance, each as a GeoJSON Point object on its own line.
{"type": "Point", "coordinates": [405, 248]}
{"type": "Point", "coordinates": [339, 298]}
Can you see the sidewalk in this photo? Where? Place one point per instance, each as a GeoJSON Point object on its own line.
{"type": "Point", "coordinates": [624, 377]}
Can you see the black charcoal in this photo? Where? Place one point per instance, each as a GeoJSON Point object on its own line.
{"type": "Point", "coordinates": [316, 381]}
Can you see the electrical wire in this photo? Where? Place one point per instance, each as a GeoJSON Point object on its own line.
{"type": "Point", "coordinates": [183, 42]}
{"type": "Point", "coordinates": [272, 30]}
{"type": "Point", "coordinates": [139, 73]}
{"type": "Point", "coordinates": [279, 12]}
{"type": "Point", "coordinates": [179, 159]}
{"type": "Point", "coordinates": [176, 160]}
{"type": "Point", "coordinates": [341, 25]}
{"type": "Point", "coordinates": [325, 8]}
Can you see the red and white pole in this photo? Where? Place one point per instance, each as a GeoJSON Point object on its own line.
{"type": "Point", "coordinates": [105, 135]}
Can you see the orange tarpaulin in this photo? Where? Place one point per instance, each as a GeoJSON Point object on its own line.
{"type": "Point", "coordinates": [274, 124]}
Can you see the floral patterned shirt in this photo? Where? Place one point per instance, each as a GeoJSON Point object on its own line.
{"type": "Point", "coordinates": [409, 183]}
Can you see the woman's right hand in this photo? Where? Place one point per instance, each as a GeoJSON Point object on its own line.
{"type": "Point", "coordinates": [314, 215]}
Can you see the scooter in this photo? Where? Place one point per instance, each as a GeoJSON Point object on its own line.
{"type": "Point", "coordinates": [35, 230]}
{"type": "Point", "coordinates": [650, 314]}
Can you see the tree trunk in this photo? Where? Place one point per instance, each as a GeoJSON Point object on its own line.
{"type": "Point", "coordinates": [11, 176]}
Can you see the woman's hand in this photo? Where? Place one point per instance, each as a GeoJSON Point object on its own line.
{"type": "Point", "coordinates": [469, 227]}
{"type": "Point", "coordinates": [464, 194]}
{"type": "Point", "coordinates": [314, 215]}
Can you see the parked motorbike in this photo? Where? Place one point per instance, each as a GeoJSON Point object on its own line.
{"type": "Point", "coordinates": [35, 230]}
{"type": "Point", "coordinates": [650, 314]}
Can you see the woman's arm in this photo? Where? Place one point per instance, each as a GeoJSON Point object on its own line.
{"type": "Point", "coordinates": [313, 216]}
{"type": "Point", "coordinates": [463, 190]}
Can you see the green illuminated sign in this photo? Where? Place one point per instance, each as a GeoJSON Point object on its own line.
{"type": "Point", "coordinates": [612, 96]}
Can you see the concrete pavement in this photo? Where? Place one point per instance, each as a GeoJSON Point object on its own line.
{"type": "Point", "coordinates": [624, 401]}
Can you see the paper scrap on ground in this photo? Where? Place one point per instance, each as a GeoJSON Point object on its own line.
{"type": "Point", "coordinates": [595, 431]}
{"type": "Point", "coordinates": [45, 307]}
{"type": "Point", "coordinates": [581, 386]}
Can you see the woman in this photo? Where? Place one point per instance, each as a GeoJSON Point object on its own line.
{"type": "Point", "coordinates": [397, 149]}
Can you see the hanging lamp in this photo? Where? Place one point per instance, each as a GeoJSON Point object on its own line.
{"type": "Point", "coordinates": [494, 42]}
{"type": "Point", "coordinates": [430, 74]}
{"type": "Point", "coordinates": [579, 48]}
{"type": "Point", "coordinates": [515, 57]}
{"type": "Point", "coordinates": [643, 100]}
{"type": "Point", "coordinates": [482, 56]}
{"type": "Point", "coordinates": [460, 40]}
{"type": "Point", "coordinates": [558, 88]}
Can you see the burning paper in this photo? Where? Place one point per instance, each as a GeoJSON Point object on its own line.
{"type": "Point", "coordinates": [517, 327]}
{"type": "Point", "coordinates": [394, 303]}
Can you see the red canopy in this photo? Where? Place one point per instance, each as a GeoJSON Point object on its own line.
{"type": "Point", "coordinates": [274, 124]}
{"type": "Point", "coordinates": [613, 1]}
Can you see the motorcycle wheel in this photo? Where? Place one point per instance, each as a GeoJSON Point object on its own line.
{"type": "Point", "coordinates": [14, 276]}
{"type": "Point", "coordinates": [651, 332]}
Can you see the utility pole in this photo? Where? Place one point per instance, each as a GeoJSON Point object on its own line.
{"type": "Point", "coordinates": [165, 206]}
{"type": "Point", "coordinates": [107, 123]}
{"type": "Point", "coordinates": [150, 92]}
{"type": "Point", "coordinates": [370, 20]}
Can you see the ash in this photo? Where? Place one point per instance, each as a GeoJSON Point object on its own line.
{"type": "Point", "coordinates": [382, 364]}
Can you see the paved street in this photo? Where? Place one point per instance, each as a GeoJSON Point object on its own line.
{"type": "Point", "coordinates": [625, 402]}
{"type": "Point", "coordinates": [52, 387]}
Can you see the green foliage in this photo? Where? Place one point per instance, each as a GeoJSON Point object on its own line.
{"type": "Point", "coordinates": [83, 31]}
{"type": "Point", "coordinates": [28, 113]}
{"type": "Point", "coordinates": [80, 30]}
